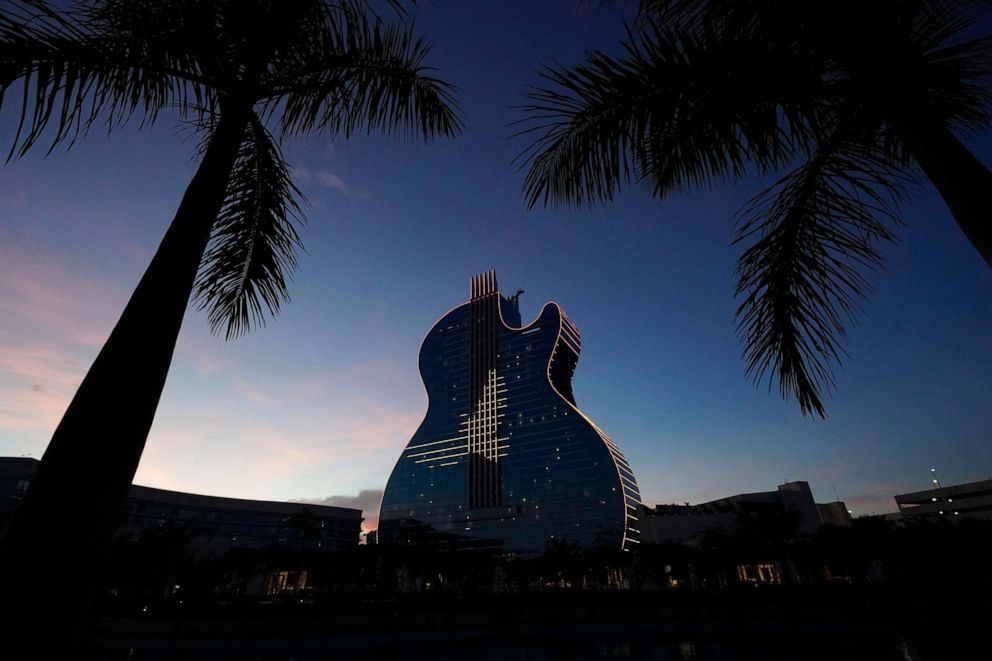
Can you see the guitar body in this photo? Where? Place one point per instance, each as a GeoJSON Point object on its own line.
{"type": "Point", "coordinates": [504, 459]}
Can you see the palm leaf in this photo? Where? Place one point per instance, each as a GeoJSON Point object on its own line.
{"type": "Point", "coordinates": [687, 13]}
{"type": "Point", "coordinates": [816, 231]}
{"type": "Point", "coordinates": [78, 65]}
{"type": "Point", "coordinates": [947, 66]}
{"type": "Point", "coordinates": [357, 74]}
{"type": "Point", "coordinates": [657, 115]}
{"type": "Point", "coordinates": [243, 277]}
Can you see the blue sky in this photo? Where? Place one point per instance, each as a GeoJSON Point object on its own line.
{"type": "Point", "coordinates": [320, 403]}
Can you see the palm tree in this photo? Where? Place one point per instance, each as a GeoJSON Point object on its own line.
{"type": "Point", "coordinates": [303, 528]}
{"type": "Point", "coordinates": [839, 99]}
{"type": "Point", "coordinates": [232, 68]}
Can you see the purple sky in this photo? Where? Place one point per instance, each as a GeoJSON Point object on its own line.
{"type": "Point", "coordinates": [319, 404]}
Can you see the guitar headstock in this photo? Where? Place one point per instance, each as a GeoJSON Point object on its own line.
{"type": "Point", "coordinates": [483, 285]}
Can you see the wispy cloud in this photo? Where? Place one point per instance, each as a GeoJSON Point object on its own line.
{"type": "Point", "coordinates": [295, 431]}
{"type": "Point", "coordinates": [875, 498]}
{"type": "Point", "coordinates": [230, 422]}
{"type": "Point", "coordinates": [54, 323]}
{"type": "Point", "coordinates": [35, 387]}
{"type": "Point", "coordinates": [302, 175]}
{"type": "Point", "coordinates": [332, 181]}
{"type": "Point", "coordinates": [40, 298]}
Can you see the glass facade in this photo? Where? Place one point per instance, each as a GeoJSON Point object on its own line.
{"type": "Point", "coordinates": [242, 523]}
{"type": "Point", "coordinates": [504, 459]}
{"type": "Point", "coordinates": [217, 523]}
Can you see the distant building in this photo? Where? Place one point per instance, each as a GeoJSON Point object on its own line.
{"type": "Point", "coordinates": [972, 500]}
{"type": "Point", "coordinates": [15, 475]}
{"type": "Point", "coordinates": [215, 524]}
{"type": "Point", "coordinates": [790, 509]}
{"type": "Point", "coordinates": [835, 513]}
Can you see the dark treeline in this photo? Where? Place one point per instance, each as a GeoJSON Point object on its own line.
{"type": "Point", "coordinates": [160, 574]}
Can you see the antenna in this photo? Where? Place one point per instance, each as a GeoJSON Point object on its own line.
{"type": "Point", "coordinates": [936, 482]}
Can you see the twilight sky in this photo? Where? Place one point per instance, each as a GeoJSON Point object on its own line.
{"type": "Point", "coordinates": [319, 404]}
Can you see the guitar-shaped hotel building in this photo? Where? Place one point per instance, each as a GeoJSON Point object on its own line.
{"type": "Point", "coordinates": [504, 459]}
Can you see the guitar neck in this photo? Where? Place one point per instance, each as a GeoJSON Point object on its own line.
{"type": "Point", "coordinates": [485, 477]}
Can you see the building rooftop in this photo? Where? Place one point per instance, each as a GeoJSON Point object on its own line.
{"type": "Point", "coordinates": [966, 490]}
{"type": "Point", "coordinates": [23, 468]}
{"type": "Point", "coordinates": [241, 504]}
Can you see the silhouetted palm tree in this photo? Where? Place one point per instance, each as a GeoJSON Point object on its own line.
{"type": "Point", "coordinates": [847, 94]}
{"type": "Point", "coordinates": [303, 528]}
{"type": "Point", "coordinates": [233, 68]}
{"type": "Point", "coordinates": [560, 563]}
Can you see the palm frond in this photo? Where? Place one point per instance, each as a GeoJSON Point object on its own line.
{"type": "Point", "coordinates": [677, 110]}
{"type": "Point", "coordinates": [816, 231]}
{"type": "Point", "coordinates": [950, 69]}
{"type": "Point", "coordinates": [670, 13]}
{"type": "Point", "coordinates": [75, 66]}
{"type": "Point", "coordinates": [357, 74]}
{"type": "Point", "coordinates": [243, 277]}
{"type": "Point", "coordinates": [919, 57]}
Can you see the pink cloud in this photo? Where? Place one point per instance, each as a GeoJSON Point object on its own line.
{"type": "Point", "coordinates": [54, 322]}
{"type": "Point", "coordinates": [367, 500]}
{"type": "Point", "coordinates": [332, 181]}
{"type": "Point", "coordinates": [875, 498]}
{"type": "Point", "coordinates": [302, 175]}
{"type": "Point", "coordinates": [36, 386]}
{"type": "Point", "coordinates": [40, 299]}
{"type": "Point", "coordinates": [267, 436]}
{"type": "Point", "coordinates": [52, 368]}
{"type": "Point", "coordinates": [297, 432]}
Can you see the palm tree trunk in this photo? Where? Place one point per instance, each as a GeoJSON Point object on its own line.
{"type": "Point", "coordinates": [52, 551]}
{"type": "Point", "coordinates": [960, 178]}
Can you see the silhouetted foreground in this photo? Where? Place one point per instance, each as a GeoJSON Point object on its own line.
{"type": "Point", "coordinates": [244, 74]}
{"type": "Point", "coordinates": [926, 583]}
{"type": "Point", "coordinates": [158, 572]}
{"type": "Point", "coordinates": [848, 623]}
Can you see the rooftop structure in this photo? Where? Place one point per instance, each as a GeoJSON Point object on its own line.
{"type": "Point", "coordinates": [789, 510]}
{"type": "Point", "coordinates": [970, 500]}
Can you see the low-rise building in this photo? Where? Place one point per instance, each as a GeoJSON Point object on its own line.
{"type": "Point", "coordinates": [789, 510]}
{"type": "Point", "coordinates": [972, 500]}
{"type": "Point", "coordinates": [213, 524]}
